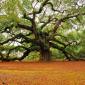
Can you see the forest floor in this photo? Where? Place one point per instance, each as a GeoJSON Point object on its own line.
{"type": "Point", "coordinates": [42, 73]}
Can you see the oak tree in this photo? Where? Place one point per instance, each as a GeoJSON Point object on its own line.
{"type": "Point", "coordinates": [39, 25]}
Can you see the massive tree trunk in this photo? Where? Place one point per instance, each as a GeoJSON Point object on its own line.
{"type": "Point", "coordinates": [45, 55]}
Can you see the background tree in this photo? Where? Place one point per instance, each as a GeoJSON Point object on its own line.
{"type": "Point", "coordinates": [41, 25]}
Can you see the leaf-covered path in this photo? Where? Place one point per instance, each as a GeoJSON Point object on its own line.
{"type": "Point", "coordinates": [37, 73]}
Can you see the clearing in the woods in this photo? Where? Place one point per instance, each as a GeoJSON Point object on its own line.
{"type": "Point", "coordinates": [42, 73]}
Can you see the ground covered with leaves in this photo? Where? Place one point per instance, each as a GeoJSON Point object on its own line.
{"type": "Point", "coordinates": [42, 73]}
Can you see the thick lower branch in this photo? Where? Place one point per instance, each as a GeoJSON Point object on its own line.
{"type": "Point", "coordinates": [60, 49]}
{"type": "Point", "coordinates": [25, 54]}
{"type": "Point", "coordinates": [25, 27]}
{"type": "Point", "coordinates": [20, 35]}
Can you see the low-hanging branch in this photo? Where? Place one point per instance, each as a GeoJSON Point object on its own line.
{"type": "Point", "coordinates": [55, 46]}
{"type": "Point", "coordinates": [10, 39]}
{"type": "Point", "coordinates": [25, 53]}
{"type": "Point", "coordinates": [17, 47]}
{"type": "Point", "coordinates": [7, 29]}
{"type": "Point", "coordinates": [66, 44]}
{"type": "Point", "coordinates": [61, 49]}
{"type": "Point", "coordinates": [20, 35]}
{"type": "Point", "coordinates": [25, 27]}
{"type": "Point", "coordinates": [58, 41]}
{"type": "Point", "coordinates": [71, 43]}
{"type": "Point", "coordinates": [28, 50]}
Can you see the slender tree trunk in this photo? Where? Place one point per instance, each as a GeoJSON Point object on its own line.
{"type": "Point", "coordinates": [45, 55]}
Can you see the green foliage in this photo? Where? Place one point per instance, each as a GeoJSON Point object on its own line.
{"type": "Point", "coordinates": [33, 56]}
{"type": "Point", "coordinates": [56, 54]}
{"type": "Point", "coordinates": [41, 23]}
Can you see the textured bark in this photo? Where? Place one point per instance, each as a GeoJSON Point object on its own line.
{"type": "Point", "coordinates": [66, 55]}
{"type": "Point", "coordinates": [45, 55]}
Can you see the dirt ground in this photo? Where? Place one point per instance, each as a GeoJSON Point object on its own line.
{"type": "Point", "coordinates": [42, 73]}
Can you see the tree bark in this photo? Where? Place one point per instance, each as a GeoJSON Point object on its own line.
{"type": "Point", "coordinates": [45, 55]}
{"type": "Point", "coordinates": [66, 55]}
